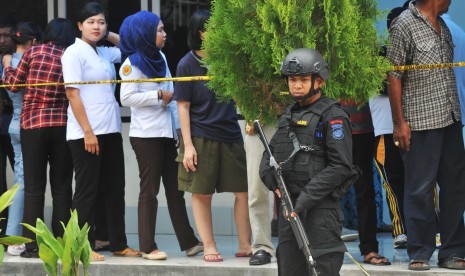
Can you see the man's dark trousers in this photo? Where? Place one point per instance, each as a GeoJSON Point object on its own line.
{"type": "Point", "coordinates": [435, 155]}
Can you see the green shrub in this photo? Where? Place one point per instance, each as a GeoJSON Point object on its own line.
{"type": "Point", "coordinates": [248, 39]}
{"type": "Point", "coordinates": [5, 200]}
{"type": "Point", "coordinates": [73, 248]}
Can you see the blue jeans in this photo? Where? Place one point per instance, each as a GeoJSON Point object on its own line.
{"type": "Point", "coordinates": [15, 212]}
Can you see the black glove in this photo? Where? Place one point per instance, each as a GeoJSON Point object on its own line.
{"type": "Point", "coordinates": [270, 181]}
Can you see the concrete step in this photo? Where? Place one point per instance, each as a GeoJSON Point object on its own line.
{"type": "Point", "coordinates": [195, 266]}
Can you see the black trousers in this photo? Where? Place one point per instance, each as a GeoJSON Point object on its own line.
{"type": "Point", "coordinates": [156, 160]}
{"type": "Point", "coordinates": [105, 171]}
{"type": "Point", "coordinates": [41, 147]}
{"type": "Point", "coordinates": [391, 168]}
{"type": "Point", "coordinates": [435, 156]}
{"type": "Point", "coordinates": [6, 153]}
{"type": "Point", "coordinates": [323, 230]}
{"type": "Point", "coordinates": [362, 151]}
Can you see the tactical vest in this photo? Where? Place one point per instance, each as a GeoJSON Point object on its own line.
{"type": "Point", "coordinates": [302, 157]}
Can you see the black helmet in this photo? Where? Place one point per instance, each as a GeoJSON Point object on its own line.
{"type": "Point", "coordinates": [305, 61]}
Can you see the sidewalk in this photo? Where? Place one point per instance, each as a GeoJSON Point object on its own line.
{"type": "Point", "coordinates": [179, 264]}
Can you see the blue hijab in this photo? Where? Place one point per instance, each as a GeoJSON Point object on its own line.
{"type": "Point", "coordinates": [138, 35]}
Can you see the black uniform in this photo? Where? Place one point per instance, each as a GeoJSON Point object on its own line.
{"type": "Point", "coordinates": [312, 176]}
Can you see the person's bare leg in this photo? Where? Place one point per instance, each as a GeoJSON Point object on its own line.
{"type": "Point", "coordinates": [201, 208]}
{"type": "Point", "coordinates": [241, 216]}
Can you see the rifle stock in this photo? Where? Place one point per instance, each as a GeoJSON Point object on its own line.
{"type": "Point", "coordinates": [286, 203]}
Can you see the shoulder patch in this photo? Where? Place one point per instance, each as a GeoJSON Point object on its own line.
{"type": "Point", "coordinates": [302, 123]}
{"type": "Point", "coordinates": [338, 132]}
{"type": "Point", "coordinates": [127, 69]}
{"type": "Point", "coordinates": [336, 121]}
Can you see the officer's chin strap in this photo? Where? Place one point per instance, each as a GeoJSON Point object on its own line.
{"type": "Point", "coordinates": [310, 93]}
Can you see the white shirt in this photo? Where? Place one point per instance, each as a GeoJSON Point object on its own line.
{"type": "Point", "coordinates": [81, 63]}
{"type": "Point", "coordinates": [150, 117]}
{"type": "Point", "coordinates": [381, 115]}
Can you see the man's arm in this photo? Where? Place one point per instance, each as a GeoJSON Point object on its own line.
{"type": "Point", "coordinates": [401, 132]}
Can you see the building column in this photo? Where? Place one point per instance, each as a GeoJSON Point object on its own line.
{"type": "Point", "coordinates": [151, 5]}
{"type": "Point", "coordinates": [56, 8]}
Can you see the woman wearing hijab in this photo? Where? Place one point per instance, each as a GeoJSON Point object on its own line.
{"type": "Point", "coordinates": [152, 132]}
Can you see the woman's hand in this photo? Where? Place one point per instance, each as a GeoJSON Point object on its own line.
{"type": "Point", "coordinates": [167, 96]}
{"type": "Point", "coordinates": [91, 143]}
{"type": "Point", "coordinates": [190, 158]}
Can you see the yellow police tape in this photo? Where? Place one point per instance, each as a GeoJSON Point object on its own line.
{"type": "Point", "coordinates": [357, 264]}
{"type": "Point", "coordinates": [195, 78]}
{"type": "Point", "coordinates": [427, 66]}
{"type": "Point", "coordinates": [206, 78]}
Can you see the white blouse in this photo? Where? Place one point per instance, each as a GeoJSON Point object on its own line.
{"type": "Point", "coordinates": [150, 117]}
{"type": "Point", "coordinates": [82, 63]}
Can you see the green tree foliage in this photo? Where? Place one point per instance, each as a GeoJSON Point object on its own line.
{"type": "Point", "coordinates": [248, 39]}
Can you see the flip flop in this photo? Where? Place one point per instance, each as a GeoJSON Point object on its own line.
{"type": "Point", "coordinates": [377, 257]}
{"type": "Point", "coordinates": [128, 252]}
{"type": "Point", "coordinates": [243, 254]}
{"type": "Point", "coordinates": [452, 263]}
{"type": "Point", "coordinates": [424, 265]}
{"type": "Point", "coordinates": [217, 258]}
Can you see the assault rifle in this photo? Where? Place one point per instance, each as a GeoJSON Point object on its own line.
{"type": "Point", "coordinates": [286, 204]}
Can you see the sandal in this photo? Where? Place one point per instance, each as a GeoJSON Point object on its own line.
{"type": "Point", "coordinates": [243, 254]}
{"type": "Point", "coordinates": [452, 263]}
{"type": "Point", "coordinates": [128, 252]}
{"type": "Point", "coordinates": [384, 260]}
{"type": "Point", "coordinates": [424, 265]}
{"type": "Point", "coordinates": [217, 257]}
{"type": "Point", "coordinates": [96, 257]}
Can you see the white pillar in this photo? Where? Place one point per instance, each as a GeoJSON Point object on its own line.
{"type": "Point", "coordinates": [50, 10]}
{"type": "Point", "coordinates": [153, 7]}
{"type": "Point", "coordinates": [156, 7]}
{"type": "Point", "coordinates": [144, 6]}
{"type": "Point", "coordinates": [61, 9]}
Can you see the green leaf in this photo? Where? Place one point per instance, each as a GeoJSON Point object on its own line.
{"type": "Point", "coordinates": [49, 258]}
{"type": "Point", "coordinates": [2, 254]}
{"type": "Point", "coordinates": [10, 240]}
{"type": "Point", "coordinates": [32, 228]}
{"type": "Point", "coordinates": [86, 254]}
{"type": "Point", "coordinates": [67, 261]}
{"type": "Point", "coordinates": [48, 238]}
{"type": "Point", "coordinates": [61, 241]}
{"type": "Point", "coordinates": [7, 197]}
{"type": "Point", "coordinates": [71, 256]}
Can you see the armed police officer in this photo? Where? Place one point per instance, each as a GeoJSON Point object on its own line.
{"type": "Point", "coordinates": [313, 146]}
